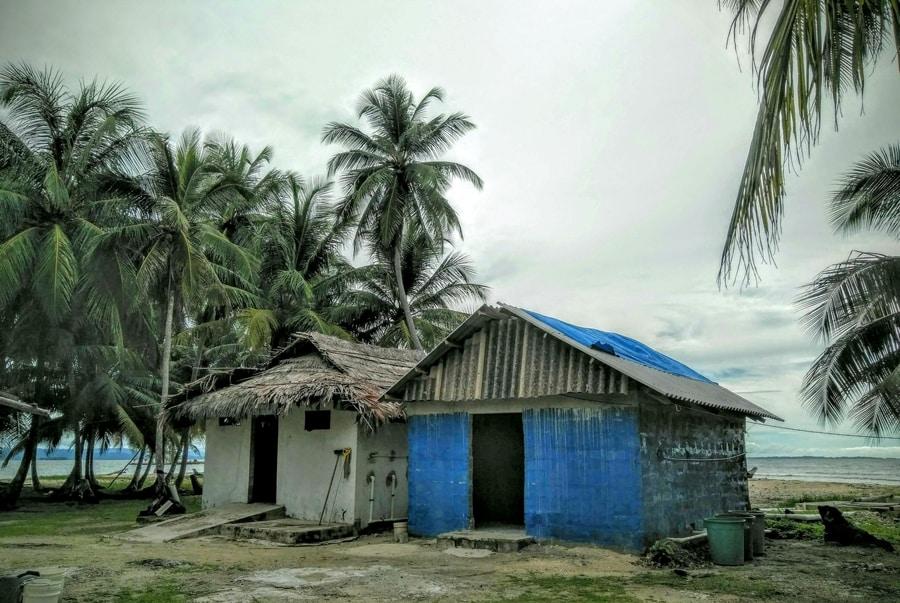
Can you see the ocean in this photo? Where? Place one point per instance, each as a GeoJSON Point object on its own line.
{"type": "Point", "coordinates": [47, 467]}
{"type": "Point", "coordinates": [848, 470]}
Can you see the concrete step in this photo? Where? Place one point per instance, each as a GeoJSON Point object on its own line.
{"type": "Point", "coordinates": [208, 521]}
{"type": "Point", "coordinates": [501, 540]}
{"type": "Point", "coordinates": [289, 531]}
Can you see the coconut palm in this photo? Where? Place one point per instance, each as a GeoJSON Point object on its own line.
{"type": "Point", "coordinates": [817, 51]}
{"type": "Point", "coordinates": [184, 259]}
{"type": "Point", "coordinates": [303, 270]}
{"type": "Point", "coordinates": [436, 283]}
{"type": "Point", "coordinates": [393, 176]}
{"type": "Point", "coordinates": [55, 144]}
{"type": "Point", "coordinates": [854, 306]}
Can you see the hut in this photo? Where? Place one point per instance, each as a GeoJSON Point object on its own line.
{"type": "Point", "coordinates": [308, 431]}
{"type": "Point", "coordinates": [568, 433]}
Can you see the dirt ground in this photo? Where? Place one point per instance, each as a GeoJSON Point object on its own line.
{"type": "Point", "coordinates": [373, 568]}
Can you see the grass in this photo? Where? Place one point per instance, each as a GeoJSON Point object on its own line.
{"type": "Point", "coordinates": [790, 503]}
{"type": "Point", "coordinates": [799, 530]}
{"type": "Point", "coordinates": [69, 519]}
{"type": "Point", "coordinates": [536, 588]}
{"type": "Point", "coordinates": [731, 583]}
{"type": "Point", "coordinates": [162, 590]}
{"type": "Point", "coordinates": [886, 527]}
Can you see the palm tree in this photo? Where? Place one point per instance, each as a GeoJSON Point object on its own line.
{"type": "Point", "coordinates": [854, 306]}
{"type": "Point", "coordinates": [393, 176]}
{"type": "Point", "coordinates": [54, 146]}
{"type": "Point", "coordinates": [818, 50]}
{"type": "Point", "coordinates": [303, 271]}
{"type": "Point", "coordinates": [184, 258]}
{"type": "Point", "coordinates": [435, 283]}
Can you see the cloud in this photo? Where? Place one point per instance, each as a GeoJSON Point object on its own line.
{"type": "Point", "coordinates": [611, 138]}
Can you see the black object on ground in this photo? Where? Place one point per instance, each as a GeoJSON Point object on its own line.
{"type": "Point", "coordinates": [841, 531]}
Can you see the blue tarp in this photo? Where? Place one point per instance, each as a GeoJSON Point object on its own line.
{"type": "Point", "coordinates": [621, 346]}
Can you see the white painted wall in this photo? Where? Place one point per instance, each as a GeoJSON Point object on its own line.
{"type": "Point", "coordinates": [389, 437]}
{"type": "Point", "coordinates": [226, 471]}
{"type": "Point", "coordinates": [306, 461]}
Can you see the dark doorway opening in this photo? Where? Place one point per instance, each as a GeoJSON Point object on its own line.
{"type": "Point", "coordinates": [498, 469]}
{"type": "Point", "coordinates": [263, 458]}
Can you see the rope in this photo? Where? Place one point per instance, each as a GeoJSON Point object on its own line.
{"type": "Point", "coordinates": [702, 459]}
{"type": "Point", "coordinates": [846, 435]}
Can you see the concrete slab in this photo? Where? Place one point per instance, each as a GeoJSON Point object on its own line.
{"type": "Point", "coordinates": [208, 521]}
{"type": "Point", "coordinates": [500, 539]}
{"type": "Point", "coordinates": [289, 531]}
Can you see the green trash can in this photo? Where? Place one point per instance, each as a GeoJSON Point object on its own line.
{"type": "Point", "coordinates": [726, 539]}
{"type": "Point", "coordinates": [749, 521]}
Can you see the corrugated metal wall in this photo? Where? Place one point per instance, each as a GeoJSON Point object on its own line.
{"type": "Point", "coordinates": [440, 480]}
{"type": "Point", "coordinates": [583, 476]}
{"type": "Point", "coordinates": [510, 358]}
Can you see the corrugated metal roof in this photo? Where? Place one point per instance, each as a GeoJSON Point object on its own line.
{"type": "Point", "coordinates": [676, 387]}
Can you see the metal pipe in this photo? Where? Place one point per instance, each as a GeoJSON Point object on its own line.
{"type": "Point", "coordinates": [393, 477]}
{"type": "Point", "coordinates": [371, 479]}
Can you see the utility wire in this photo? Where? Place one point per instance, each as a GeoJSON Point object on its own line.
{"type": "Point", "coordinates": [846, 435]}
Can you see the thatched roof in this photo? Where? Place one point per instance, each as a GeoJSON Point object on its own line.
{"type": "Point", "coordinates": [315, 371]}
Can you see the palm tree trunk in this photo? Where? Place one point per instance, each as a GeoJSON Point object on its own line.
{"type": "Point", "coordinates": [77, 472]}
{"type": "Point", "coordinates": [404, 301]}
{"type": "Point", "coordinates": [11, 494]}
{"type": "Point", "coordinates": [35, 428]}
{"type": "Point", "coordinates": [132, 485]}
{"type": "Point", "coordinates": [35, 479]}
{"type": "Point", "coordinates": [185, 448]}
{"type": "Point", "coordinates": [176, 456]}
{"type": "Point", "coordinates": [164, 395]}
{"type": "Point", "coordinates": [143, 479]}
{"type": "Point", "coordinates": [89, 462]}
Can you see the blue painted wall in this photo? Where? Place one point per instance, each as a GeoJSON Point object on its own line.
{"type": "Point", "coordinates": [439, 473]}
{"type": "Point", "coordinates": [583, 475]}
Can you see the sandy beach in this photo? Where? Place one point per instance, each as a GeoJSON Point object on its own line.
{"type": "Point", "coordinates": [775, 492]}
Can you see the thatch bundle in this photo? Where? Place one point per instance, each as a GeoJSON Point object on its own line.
{"type": "Point", "coordinates": [315, 371]}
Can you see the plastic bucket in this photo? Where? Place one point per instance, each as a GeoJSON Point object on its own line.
{"type": "Point", "coordinates": [401, 531]}
{"type": "Point", "coordinates": [749, 521]}
{"type": "Point", "coordinates": [759, 531]}
{"type": "Point", "coordinates": [57, 575]}
{"type": "Point", "coordinates": [41, 591]}
{"type": "Point", "coordinates": [726, 539]}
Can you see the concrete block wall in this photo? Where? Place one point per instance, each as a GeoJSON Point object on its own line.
{"type": "Point", "coordinates": [678, 494]}
{"type": "Point", "coordinates": [439, 473]}
{"type": "Point", "coordinates": [373, 455]}
{"type": "Point", "coordinates": [583, 475]}
{"type": "Point", "coordinates": [226, 474]}
{"type": "Point", "coordinates": [306, 462]}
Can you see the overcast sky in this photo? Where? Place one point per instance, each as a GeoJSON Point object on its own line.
{"type": "Point", "coordinates": [611, 138]}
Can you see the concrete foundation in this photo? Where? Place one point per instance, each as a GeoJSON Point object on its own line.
{"type": "Point", "coordinates": [288, 531]}
{"type": "Point", "coordinates": [500, 540]}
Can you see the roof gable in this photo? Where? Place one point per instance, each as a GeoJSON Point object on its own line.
{"type": "Point", "coordinates": [621, 346]}
{"type": "Point", "coordinates": [574, 377]}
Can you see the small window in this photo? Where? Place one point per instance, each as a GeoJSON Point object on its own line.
{"type": "Point", "coordinates": [317, 419]}
{"type": "Point", "coordinates": [228, 422]}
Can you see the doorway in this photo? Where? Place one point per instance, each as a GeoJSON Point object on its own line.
{"type": "Point", "coordinates": [498, 470]}
{"type": "Point", "coordinates": [263, 458]}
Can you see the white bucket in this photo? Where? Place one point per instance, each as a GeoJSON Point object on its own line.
{"type": "Point", "coordinates": [401, 534]}
{"type": "Point", "coordinates": [57, 575]}
{"type": "Point", "coordinates": [41, 591]}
